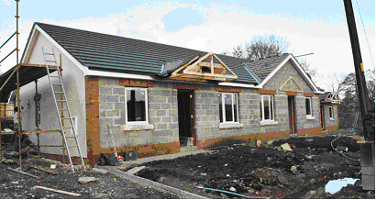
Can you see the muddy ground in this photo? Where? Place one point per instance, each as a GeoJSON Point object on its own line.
{"type": "Point", "coordinates": [14, 185]}
{"type": "Point", "coordinates": [242, 169]}
{"type": "Point", "coordinates": [264, 171]}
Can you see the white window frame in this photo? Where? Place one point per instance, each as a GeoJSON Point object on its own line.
{"type": "Point", "coordinates": [272, 113]}
{"type": "Point", "coordinates": [232, 108]}
{"type": "Point", "coordinates": [309, 115]}
{"type": "Point", "coordinates": [331, 112]}
{"type": "Point", "coordinates": [146, 106]}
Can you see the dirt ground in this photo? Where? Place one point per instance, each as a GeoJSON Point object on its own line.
{"type": "Point", "coordinates": [242, 169]}
{"type": "Point", "coordinates": [264, 171]}
{"type": "Point", "coordinates": [14, 185]}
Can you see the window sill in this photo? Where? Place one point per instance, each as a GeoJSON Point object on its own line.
{"type": "Point", "coordinates": [268, 123]}
{"type": "Point", "coordinates": [137, 127]}
{"type": "Point", "coordinates": [310, 117]}
{"type": "Point", "coordinates": [230, 125]}
{"type": "Point", "coordinates": [331, 118]}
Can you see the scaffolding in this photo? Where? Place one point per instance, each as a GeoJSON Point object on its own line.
{"type": "Point", "coordinates": [29, 73]}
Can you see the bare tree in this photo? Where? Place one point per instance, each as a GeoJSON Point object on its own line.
{"type": "Point", "coordinates": [338, 82]}
{"type": "Point", "coordinates": [260, 47]}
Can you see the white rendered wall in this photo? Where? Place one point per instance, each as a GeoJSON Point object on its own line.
{"type": "Point", "coordinates": [74, 85]}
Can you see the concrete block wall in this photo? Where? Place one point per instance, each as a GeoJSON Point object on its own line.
{"type": "Point", "coordinates": [287, 71]}
{"type": "Point", "coordinates": [330, 122]}
{"type": "Point", "coordinates": [162, 103]}
{"type": "Point", "coordinates": [207, 114]}
{"type": "Point", "coordinates": [301, 120]}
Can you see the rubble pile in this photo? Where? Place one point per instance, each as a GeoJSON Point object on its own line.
{"type": "Point", "coordinates": [277, 170]}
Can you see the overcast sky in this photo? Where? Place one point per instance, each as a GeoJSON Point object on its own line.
{"type": "Point", "coordinates": [314, 26]}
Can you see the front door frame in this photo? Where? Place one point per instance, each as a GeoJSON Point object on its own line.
{"type": "Point", "coordinates": [292, 114]}
{"type": "Point", "coordinates": [188, 96]}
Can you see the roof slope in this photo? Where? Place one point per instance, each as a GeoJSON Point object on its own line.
{"type": "Point", "coordinates": [108, 52]}
{"type": "Point", "coordinates": [262, 68]}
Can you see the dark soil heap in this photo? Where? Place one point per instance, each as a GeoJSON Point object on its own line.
{"type": "Point", "coordinates": [260, 172]}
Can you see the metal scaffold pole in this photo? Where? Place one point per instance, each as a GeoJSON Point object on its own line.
{"type": "Point", "coordinates": [18, 87]}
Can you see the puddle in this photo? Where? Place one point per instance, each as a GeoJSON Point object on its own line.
{"type": "Point", "coordinates": [335, 186]}
{"type": "Point", "coordinates": [331, 187]}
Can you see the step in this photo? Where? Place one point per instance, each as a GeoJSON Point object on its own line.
{"type": "Point", "coordinates": [185, 149]}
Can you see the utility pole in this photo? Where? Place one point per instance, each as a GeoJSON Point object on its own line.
{"type": "Point", "coordinates": [367, 147]}
{"type": "Point", "coordinates": [365, 105]}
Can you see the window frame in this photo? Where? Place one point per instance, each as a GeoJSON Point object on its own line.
{"type": "Point", "coordinates": [331, 113]}
{"type": "Point", "coordinates": [271, 105]}
{"type": "Point", "coordinates": [146, 105]}
{"type": "Point", "coordinates": [224, 121]}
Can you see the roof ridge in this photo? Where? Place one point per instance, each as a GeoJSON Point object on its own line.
{"type": "Point", "coordinates": [118, 36]}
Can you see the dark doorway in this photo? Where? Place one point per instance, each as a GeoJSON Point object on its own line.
{"type": "Point", "coordinates": [186, 118]}
{"type": "Point", "coordinates": [322, 117]}
{"type": "Point", "coordinates": [292, 114]}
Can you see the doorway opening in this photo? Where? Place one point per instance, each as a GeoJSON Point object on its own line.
{"type": "Point", "coordinates": [322, 117]}
{"type": "Point", "coordinates": [186, 118]}
{"type": "Point", "coordinates": [292, 114]}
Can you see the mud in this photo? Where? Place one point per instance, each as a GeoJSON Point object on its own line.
{"type": "Point", "coordinates": [263, 172]}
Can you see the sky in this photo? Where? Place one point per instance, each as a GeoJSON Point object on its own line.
{"type": "Point", "coordinates": [316, 26]}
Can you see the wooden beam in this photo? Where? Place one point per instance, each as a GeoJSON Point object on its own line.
{"type": "Point", "coordinates": [21, 172]}
{"type": "Point", "coordinates": [184, 66]}
{"type": "Point", "coordinates": [41, 131]}
{"type": "Point", "coordinates": [36, 65]}
{"type": "Point", "coordinates": [57, 191]}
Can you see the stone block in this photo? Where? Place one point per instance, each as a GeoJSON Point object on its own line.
{"type": "Point", "coordinates": [105, 121]}
{"type": "Point", "coordinates": [166, 119]}
{"type": "Point", "coordinates": [154, 106]}
{"type": "Point", "coordinates": [172, 126]}
{"type": "Point", "coordinates": [119, 106]}
{"type": "Point", "coordinates": [112, 113]}
{"type": "Point", "coordinates": [160, 126]}
{"type": "Point", "coordinates": [119, 91]}
{"type": "Point", "coordinates": [102, 113]}
{"type": "Point", "coordinates": [173, 112]}
{"type": "Point", "coordinates": [166, 92]}
{"type": "Point", "coordinates": [161, 112]}
{"type": "Point", "coordinates": [165, 106]}
{"type": "Point", "coordinates": [105, 90]}
{"type": "Point", "coordinates": [112, 98]}
{"type": "Point", "coordinates": [209, 112]}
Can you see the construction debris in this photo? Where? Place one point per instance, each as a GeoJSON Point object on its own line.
{"type": "Point", "coordinates": [84, 180]}
{"type": "Point", "coordinates": [44, 169]}
{"type": "Point", "coordinates": [286, 147]}
{"type": "Point", "coordinates": [57, 191]}
{"type": "Point", "coordinates": [21, 172]}
{"type": "Point", "coordinates": [103, 171]}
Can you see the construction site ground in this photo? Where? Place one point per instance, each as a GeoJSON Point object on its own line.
{"type": "Point", "coordinates": [244, 170]}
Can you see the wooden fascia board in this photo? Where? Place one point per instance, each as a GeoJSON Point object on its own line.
{"type": "Point", "coordinates": [175, 73]}
{"type": "Point", "coordinates": [83, 68]}
{"type": "Point", "coordinates": [30, 45]}
{"type": "Point", "coordinates": [214, 75]}
{"type": "Point", "coordinates": [189, 66]}
{"type": "Point", "coordinates": [242, 85]}
{"type": "Point", "coordinates": [118, 75]}
{"type": "Point", "coordinates": [195, 63]}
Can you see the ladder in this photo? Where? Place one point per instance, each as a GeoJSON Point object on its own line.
{"type": "Point", "coordinates": [65, 119]}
